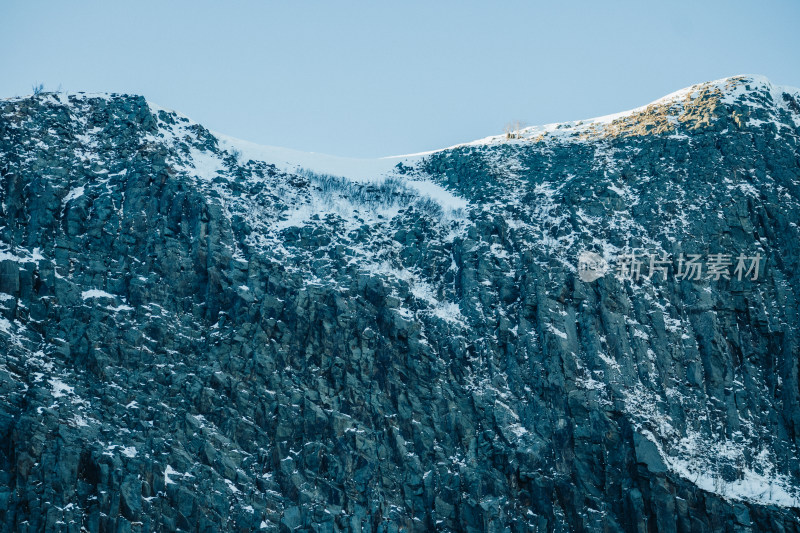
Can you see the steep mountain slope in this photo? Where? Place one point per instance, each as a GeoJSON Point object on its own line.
{"type": "Point", "coordinates": [204, 335]}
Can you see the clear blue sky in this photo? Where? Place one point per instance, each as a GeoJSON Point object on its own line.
{"type": "Point", "coordinates": [376, 78]}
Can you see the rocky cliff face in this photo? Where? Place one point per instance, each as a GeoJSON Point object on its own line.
{"type": "Point", "coordinates": [199, 334]}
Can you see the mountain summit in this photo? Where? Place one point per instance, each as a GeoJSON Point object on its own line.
{"type": "Point", "coordinates": [591, 327]}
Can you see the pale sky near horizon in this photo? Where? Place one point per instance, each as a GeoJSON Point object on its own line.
{"type": "Point", "coordinates": [368, 79]}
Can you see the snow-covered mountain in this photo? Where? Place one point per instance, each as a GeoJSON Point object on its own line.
{"type": "Point", "coordinates": [199, 333]}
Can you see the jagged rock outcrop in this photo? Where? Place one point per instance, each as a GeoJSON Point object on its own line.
{"type": "Point", "coordinates": [198, 334]}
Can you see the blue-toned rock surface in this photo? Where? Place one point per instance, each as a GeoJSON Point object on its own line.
{"type": "Point", "coordinates": [199, 334]}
